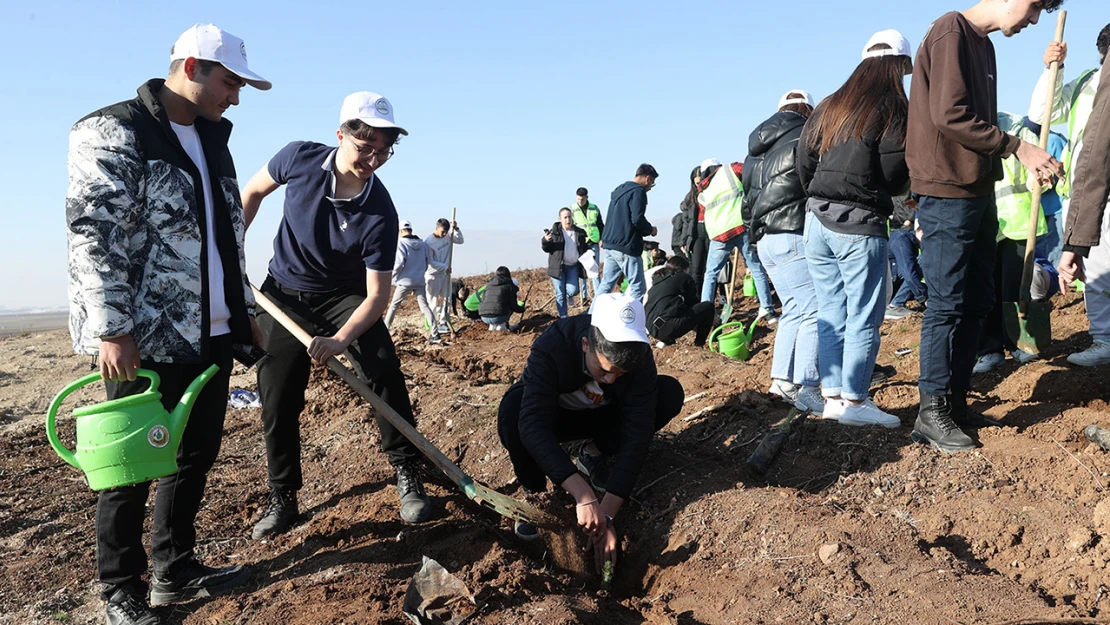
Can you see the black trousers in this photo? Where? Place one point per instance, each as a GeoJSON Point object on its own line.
{"type": "Point", "coordinates": [669, 330]}
{"type": "Point", "coordinates": [601, 425]}
{"type": "Point", "coordinates": [120, 557]}
{"type": "Point", "coordinates": [283, 376]}
{"type": "Point", "coordinates": [699, 256]}
{"type": "Point", "coordinates": [1009, 262]}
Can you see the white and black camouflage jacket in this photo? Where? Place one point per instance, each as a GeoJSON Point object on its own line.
{"type": "Point", "coordinates": [135, 218]}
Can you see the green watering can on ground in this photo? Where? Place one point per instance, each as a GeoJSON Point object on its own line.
{"type": "Point", "coordinates": [749, 285]}
{"type": "Point", "coordinates": [734, 344]}
{"type": "Point", "coordinates": [129, 440]}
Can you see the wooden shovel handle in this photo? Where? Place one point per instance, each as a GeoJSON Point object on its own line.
{"type": "Point", "coordinates": [452, 470]}
{"type": "Point", "coordinates": [1037, 191]}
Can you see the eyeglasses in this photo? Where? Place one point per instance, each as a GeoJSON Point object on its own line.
{"type": "Point", "coordinates": [366, 151]}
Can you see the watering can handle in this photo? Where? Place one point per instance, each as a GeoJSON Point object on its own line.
{"type": "Point", "coordinates": [714, 334]}
{"type": "Point", "coordinates": [52, 414]}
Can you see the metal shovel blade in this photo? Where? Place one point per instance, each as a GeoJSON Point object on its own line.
{"type": "Point", "coordinates": [1033, 332]}
{"type": "Point", "coordinates": [508, 507]}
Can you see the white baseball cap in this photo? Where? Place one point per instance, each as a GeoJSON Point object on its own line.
{"type": "Point", "coordinates": [207, 42]}
{"type": "Point", "coordinates": [370, 108]}
{"type": "Point", "coordinates": [709, 162]}
{"type": "Point", "coordinates": [620, 318]}
{"type": "Point", "coordinates": [406, 225]}
{"type": "Point", "coordinates": [898, 45]}
{"type": "Point", "coordinates": [803, 98]}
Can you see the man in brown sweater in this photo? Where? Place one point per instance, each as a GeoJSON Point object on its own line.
{"type": "Point", "coordinates": [954, 150]}
{"type": "Point", "coordinates": [1086, 255]}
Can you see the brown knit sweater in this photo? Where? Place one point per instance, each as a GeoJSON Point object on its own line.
{"type": "Point", "coordinates": [954, 147]}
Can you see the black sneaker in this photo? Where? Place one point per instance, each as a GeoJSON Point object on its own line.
{"type": "Point", "coordinates": [415, 505]}
{"type": "Point", "coordinates": [882, 374]}
{"type": "Point", "coordinates": [125, 608]}
{"type": "Point", "coordinates": [525, 531]}
{"type": "Point", "coordinates": [280, 515]}
{"type": "Point", "coordinates": [966, 417]}
{"type": "Point", "coordinates": [196, 581]}
{"type": "Point", "coordinates": [935, 427]}
{"type": "Point", "coordinates": [595, 468]}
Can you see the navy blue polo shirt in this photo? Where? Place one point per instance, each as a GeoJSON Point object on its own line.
{"type": "Point", "coordinates": [324, 244]}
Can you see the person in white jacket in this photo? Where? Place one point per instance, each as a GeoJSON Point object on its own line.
{"type": "Point", "coordinates": [413, 260]}
{"type": "Point", "coordinates": [437, 283]}
{"type": "Point", "coordinates": [1072, 104]}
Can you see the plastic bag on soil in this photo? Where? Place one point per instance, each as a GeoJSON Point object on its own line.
{"type": "Point", "coordinates": [436, 597]}
{"type": "Point", "coordinates": [244, 399]}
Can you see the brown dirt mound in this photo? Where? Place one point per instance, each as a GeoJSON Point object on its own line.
{"type": "Point", "coordinates": [849, 526]}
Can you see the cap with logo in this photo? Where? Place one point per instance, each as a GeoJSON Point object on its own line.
{"type": "Point", "coordinates": [370, 108]}
{"type": "Point", "coordinates": [796, 96]}
{"type": "Point", "coordinates": [620, 318]}
{"type": "Point", "coordinates": [207, 42]}
{"type": "Point", "coordinates": [406, 225]}
{"type": "Point", "coordinates": [897, 45]}
{"type": "Point", "coordinates": [709, 162]}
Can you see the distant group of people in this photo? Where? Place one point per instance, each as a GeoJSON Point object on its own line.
{"type": "Point", "coordinates": [156, 222]}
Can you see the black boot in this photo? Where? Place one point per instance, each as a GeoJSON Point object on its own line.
{"type": "Point", "coordinates": [196, 581]}
{"type": "Point", "coordinates": [280, 515]}
{"type": "Point", "coordinates": [415, 505]}
{"type": "Point", "coordinates": [935, 427]}
{"type": "Point", "coordinates": [966, 417]}
{"type": "Point", "coordinates": [125, 608]}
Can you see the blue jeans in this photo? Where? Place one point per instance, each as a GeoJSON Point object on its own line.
{"type": "Point", "coordinates": [597, 280]}
{"type": "Point", "coordinates": [566, 286]}
{"type": "Point", "coordinates": [718, 256]}
{"type": "Point", "coordinates": [632, 267]}
{"type": "Point", "coordinates": [849, 275]}
{"type": "Point", "coordinates": [1051, 244]}
{"type": "Point", "coordinates": [959, 241]}
{"type": "Point", "coordinates": [795, 359]}
{"type": "Point", "coordinates": [493, 320]}
{"type": "Point", "coordinates": [906, 264]}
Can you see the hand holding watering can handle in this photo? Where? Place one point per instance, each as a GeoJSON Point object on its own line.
{"type": "Point", "coordinates": [51, 416]}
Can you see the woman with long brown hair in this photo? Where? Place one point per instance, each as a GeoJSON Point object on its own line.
{"type": "Point", "coordinates": [852, 160]}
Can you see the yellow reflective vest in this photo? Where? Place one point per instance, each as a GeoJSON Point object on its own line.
{"type": "Point", "coordinates": [1013, 195]}
{"type": "Point", "coordinates": [587, 219]}
{"type": "Point", "coordinates": [722, 200]}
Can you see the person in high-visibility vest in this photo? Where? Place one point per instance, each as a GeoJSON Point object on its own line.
{"type": "Point", "coordinates": [1075, 103]}
{"type": "Point", "coordinates": [587, 216]}
{"type": "Point", "coordinates": [1012, 198]}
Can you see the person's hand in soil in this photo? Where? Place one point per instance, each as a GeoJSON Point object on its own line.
{"type": "Point", "coordinates": [587, 505]}
{"type": "Point", "coordinates": [322, 347]}
{"type": "Point", "coordinates": [119, 358]}
{"type": "Point", "coordinates": [605, 546]}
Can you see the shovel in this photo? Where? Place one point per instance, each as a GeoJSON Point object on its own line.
{"type": "Point", "coordinates": [726, 311]}
{"type": "Point", "coordinates": [1029, 323]}
{"type": "Point", "coordinates": [501, 504]}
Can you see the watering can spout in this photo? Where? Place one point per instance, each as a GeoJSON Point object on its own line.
{"type": "Point", "coordinates": [180, 415]}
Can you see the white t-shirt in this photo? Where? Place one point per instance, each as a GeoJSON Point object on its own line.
{"type": "Point", "coordinates": [588, 397]}
{"type": "Point", "coordinates": [218, 312]}
{"type": "Point", "coordinates": [570, 247]}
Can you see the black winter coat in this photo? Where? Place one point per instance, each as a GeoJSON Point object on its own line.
{"type": "Point", "coordinates": [670, 296]}
{"type": "Point", "coordinates": [774, 201]}
{"type": "Point", "coordinates": [556, 365]}
{"type": "Point", "coordinates": [851, 185]}
{"type": "Point", "coordinates": [500, 298]}
{"type": "Point", "coordinates": [555, 248]}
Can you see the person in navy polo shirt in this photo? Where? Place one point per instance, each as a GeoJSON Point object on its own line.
{"type": "Point", "coordinates": [331, 270]}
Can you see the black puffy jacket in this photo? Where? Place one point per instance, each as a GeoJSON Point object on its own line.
{"type": "Point", "coordinates": [774, 201]}
{"type": "Point", "coordinates": [500, 298]}
{"type": "Point", "coordinates": [851, 185]}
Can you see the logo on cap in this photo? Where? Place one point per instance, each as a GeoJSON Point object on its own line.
{"type": "Point", "coordinates": [382, 106]}
{"type": "Point", "coordinates": [243, 50]}
{"type": "Point", "coordinates": [628, 315]}
{"type": "Point", "coordinates": [158, 436]}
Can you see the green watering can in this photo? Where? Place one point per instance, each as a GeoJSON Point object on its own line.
{"type": "Point", "coordinates": [129, 440]}
{"type": "Point", "coordinates": [734, 344]}
{"type": "Point", "coordinates": [749, 285]}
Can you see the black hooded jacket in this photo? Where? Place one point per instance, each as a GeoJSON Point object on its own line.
{"type": "Point", "coordinates": [774, 201]}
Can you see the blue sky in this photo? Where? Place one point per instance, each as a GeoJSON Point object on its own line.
{"type": "Point", "coordinates": [511, 105]}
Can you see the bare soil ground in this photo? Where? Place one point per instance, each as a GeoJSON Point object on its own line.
{"type": "Point", "coordinates": [850, 526]}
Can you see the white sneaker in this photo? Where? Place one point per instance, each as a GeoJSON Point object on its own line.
{"type": "Point", "coordinates": [868, 413]}
{"type": "Point", "coordinates": [988, 363]}
{"type": "Point", "coordinates": [809, 398]}
{"type": "Point", "coordinates": [768, 316]}
{"type": "Point", "coordinates": [785, 390]}
{"type": "Point", "coordinates": [1097, 354]}
{"type": "Point", "coordinates": [1023, 357]}
{"type": "Point", "coordinates": [834, 408]}
{"type": "Point", "coordinates": [660, 345]}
